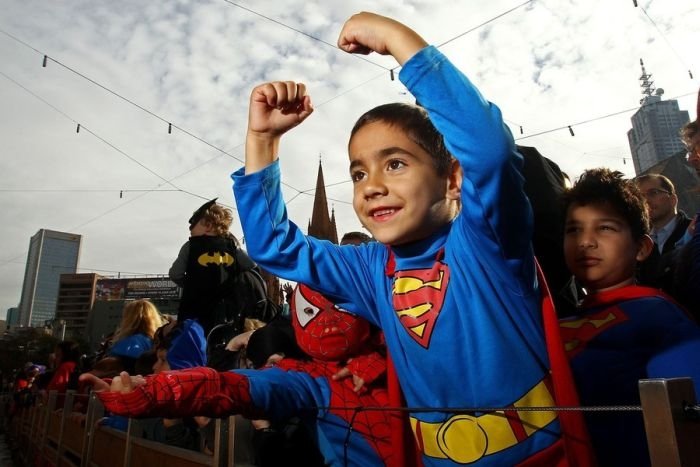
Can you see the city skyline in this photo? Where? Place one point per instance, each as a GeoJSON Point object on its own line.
{"type": "Point", "coordinates": [139, 113]}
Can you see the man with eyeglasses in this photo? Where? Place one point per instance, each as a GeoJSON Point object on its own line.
{"type": "Point", "coordinates": [668, 224]}
{"type": "Point", "coordinates": [674, 265]}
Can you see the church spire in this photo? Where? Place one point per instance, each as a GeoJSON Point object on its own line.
{"type": "Point", "coordinates": [322, 225]}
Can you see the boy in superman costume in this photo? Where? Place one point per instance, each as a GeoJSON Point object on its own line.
{"type": "Point", "coordinates": [453, 286]}
{"type": "Point", "coordinates": [345, 373]}
{"type": "Point", "coordinates": [624, 332]}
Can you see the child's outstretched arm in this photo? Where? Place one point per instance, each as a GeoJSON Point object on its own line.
{"type": "Point", "coordinates": [366, 32]}
{"type": "Point", "coordinates": [275, 108]}
{"type": "Point", "coordinates": [194, 391]}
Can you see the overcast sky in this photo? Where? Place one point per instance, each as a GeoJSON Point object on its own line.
{"type": "Point", "coordinates": [546, 63]}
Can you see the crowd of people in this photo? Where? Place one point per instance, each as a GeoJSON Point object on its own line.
{"type": "Point", "coordinates": [395, 351]}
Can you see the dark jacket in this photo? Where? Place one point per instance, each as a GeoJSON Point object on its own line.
{"type": "Point", "coordinates": [209, 284]}
{"type": "Point", "coordinates": [659, 269]}
{"type": "Point", "coordinates": [678, 232]}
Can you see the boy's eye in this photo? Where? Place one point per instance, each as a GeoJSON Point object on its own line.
{"type": "Point", "coordinates": [571, 229]}
{"type": "Point", "coordinates": [357, 176]}
{"type": "Point", "coordinates": [395, 164]}
{"type": "Point", "coordinates": [607, 227]}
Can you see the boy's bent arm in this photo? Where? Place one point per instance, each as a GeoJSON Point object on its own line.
{"type": "Point", "coordinates": [493, 201]}
{"type": "Point", "coordinates": [280, 247]}
{"type": "Point", "coordinates": [366, 32]}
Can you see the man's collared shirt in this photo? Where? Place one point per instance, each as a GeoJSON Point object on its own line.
{"type": "Point", "coordinates": [661, 235]}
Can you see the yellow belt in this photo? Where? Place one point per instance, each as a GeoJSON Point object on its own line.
{"type": "Point", "coordinates": [465, 438]}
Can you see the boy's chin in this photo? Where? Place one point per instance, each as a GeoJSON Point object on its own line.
{"type": "Point", "coordinates": [395, 240]}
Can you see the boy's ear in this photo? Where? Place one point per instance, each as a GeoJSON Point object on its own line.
{"type": "Point", "coordinates": [454, 181]}
{"type": "Point", "coordinates": [645, 246]}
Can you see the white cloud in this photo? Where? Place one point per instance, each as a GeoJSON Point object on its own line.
{"type": "Point", "coordinates": [549, 64]}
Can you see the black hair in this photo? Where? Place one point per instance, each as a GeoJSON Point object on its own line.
{"type": "Point", "coordinates": [414, 121]}
{"type": "Point", "coordinates": [276, 337]}
{"type": "Point", "coordinates": [606, 187]}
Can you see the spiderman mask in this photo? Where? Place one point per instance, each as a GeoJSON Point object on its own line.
{"type": "Point", "coordinates": [324, 331]}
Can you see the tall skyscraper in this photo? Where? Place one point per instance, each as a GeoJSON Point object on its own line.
{"type": "Point", "coordinates": [655, 126]}
{"type": "Point", "coordinates": [51, 254]}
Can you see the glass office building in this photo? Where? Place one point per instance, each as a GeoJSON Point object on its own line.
{"type": "Point", "coordinates": [51, 254]}
{"type": "Point", "coordinates": [655, 133]}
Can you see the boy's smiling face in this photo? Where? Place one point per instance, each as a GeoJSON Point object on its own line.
{"type": "Point", "coordinates": [599, 248]}
{"type": "Point", "coordinates": [398, 195]}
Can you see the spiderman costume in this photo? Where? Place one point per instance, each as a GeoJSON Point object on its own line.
{"type": "Point", "coordinates": [346, 436]}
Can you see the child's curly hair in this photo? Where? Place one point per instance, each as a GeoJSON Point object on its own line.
{"type": "Point", "coordinates": [220, 218]}
{"type": "Point", "coordinates": [605, 186]}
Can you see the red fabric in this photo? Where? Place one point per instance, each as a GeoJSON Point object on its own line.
{"type": "Point", "coordinates": [369, 367]}
{"type": "Point", "coordinates": [406, 452]}
{"type": "Point", "coordinates": [577, 449]}
{"type": "Point", "coordinates": [208, 392]}
{"type": "Point", "coordinates": [20, 384]}
{"type": "Point", "coordinates": [59, 381]}
{"type": "Point", "coordinates": [622, 294]}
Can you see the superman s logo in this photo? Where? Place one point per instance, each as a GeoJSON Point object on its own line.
{"type": "Point", "coordinates": [418, 296]}
{"type": "Point", "coordinates": [577, 333]}
{"type": "Point", "coordinates": [216, 259]}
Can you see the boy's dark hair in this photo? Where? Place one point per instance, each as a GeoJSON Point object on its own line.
{"type": "Point", "coordinates": [605, 186]}
{"type": "Point", "coordinates": [414, 121]}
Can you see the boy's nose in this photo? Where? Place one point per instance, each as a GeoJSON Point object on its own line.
{"type": "Point", "coordinates": [374, 186]}
{"type": "Point", "coordinates": [587, 241]}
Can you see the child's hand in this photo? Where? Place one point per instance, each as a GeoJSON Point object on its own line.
{"type": "Point", "coordinates": [122, 383]}
{"type": "Point", "coordinates": [277, 107]}
{"type": "Point", "coordinates": [366, 32]}
{"type": "Point", "coordinates": [358, 383]}
{"type": "Point", "coordinates": [239, 342]}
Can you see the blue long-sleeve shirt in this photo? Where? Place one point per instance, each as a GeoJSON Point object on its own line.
{"type": "Point", "coordinates": [459, 309]}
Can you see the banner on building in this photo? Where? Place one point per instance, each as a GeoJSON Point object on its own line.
{"type": "Point", "coordinates": [134, 289]}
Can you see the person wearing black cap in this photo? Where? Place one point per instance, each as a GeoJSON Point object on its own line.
{"type": "Point", "coordinates": [207, 269]}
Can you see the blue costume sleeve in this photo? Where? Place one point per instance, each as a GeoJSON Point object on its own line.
{"type": "Point", "coordinates": [493, 201]}
{"type": "Point", "coordinates": [677, 346]}
{"type": "Point", "coordinates": [284, 394]}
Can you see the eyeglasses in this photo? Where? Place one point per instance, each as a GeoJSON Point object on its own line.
{"type": "Point", "coordinates": [654, 192]}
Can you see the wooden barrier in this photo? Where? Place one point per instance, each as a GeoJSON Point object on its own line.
{"type": "Point", "coordinates": [108, 448]}
{"type": "Point", "coordinates": [671, 421]}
